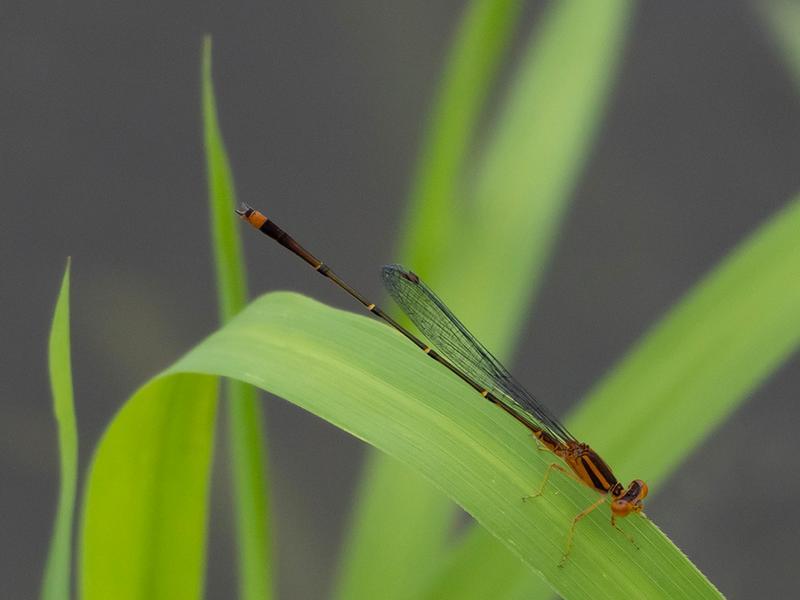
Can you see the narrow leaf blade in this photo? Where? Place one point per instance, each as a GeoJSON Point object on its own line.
{"type": "Point", "coordinates": [226, 244]}
{"type": "Point", "coordinates": [56, 584]}
{"type": "Point", "coordinates": [480, 44]}
{"type": "Point", "coordinates": [531, 165]}
{"type": "Point", "coordinates": [246, 443]}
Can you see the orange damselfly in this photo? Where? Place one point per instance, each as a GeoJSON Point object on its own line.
{"type": "Point", "coordinates": [454, 347]}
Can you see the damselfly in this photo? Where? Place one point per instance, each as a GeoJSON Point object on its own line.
{"type": "Point", "coordinates": [454, 347]}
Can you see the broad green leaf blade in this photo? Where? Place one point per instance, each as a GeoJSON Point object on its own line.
{"type": "Point", "coordinates": [245, 432]}
{"type": "Point", "coordinates": [56, 582]}
{"type": "Point", "coordinates": [366, 379]}
{"type": "Point", "coordinates": [145, 509]}
{"type": "Point", "coordinates": [370, 567]}
{"type": "Point", "coordinates": [491, 269]}
{"type": "Point", "coordinates": [703, 359]}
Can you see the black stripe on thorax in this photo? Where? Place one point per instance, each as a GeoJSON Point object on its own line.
{"type": "Point", "coordinates": [595, 480]}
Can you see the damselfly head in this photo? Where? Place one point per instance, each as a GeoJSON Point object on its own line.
{"type": "Point", "coordinates": [631, 500]}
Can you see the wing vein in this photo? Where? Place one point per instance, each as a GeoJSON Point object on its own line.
{"type": "Point", "coordinates": [454, 341]}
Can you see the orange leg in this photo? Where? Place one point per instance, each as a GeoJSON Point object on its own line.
{"type": "Point", "coordinates": [627, 536]}
{"type": "Point", "coordinates": [577, 518]}
{"type": "Point", "coordinates": [546, 478]}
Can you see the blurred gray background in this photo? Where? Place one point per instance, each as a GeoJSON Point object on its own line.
{"type": "Point", "coordinates": [322, 105]}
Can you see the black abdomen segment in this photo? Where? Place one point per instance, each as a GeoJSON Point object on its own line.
{"type": "Point", "coordinates": [288, 242]}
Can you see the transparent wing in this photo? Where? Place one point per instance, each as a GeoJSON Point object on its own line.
{"type": "Point", "coordinates": [454, 341]}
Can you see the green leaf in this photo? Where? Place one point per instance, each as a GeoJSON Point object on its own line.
{"type": "Point", "coordinates": [231, 277]}
{"type": "Point", "coordinates": [694, 368]}
{"type": "Point", "coordinates": [56, 582]}
{"type": "Point", "coordinates": [145, 508]}
{"type": "Point", "coordinates": [366, 379]}
{"type": "Point", "coordinates": [245, 431]}
{"type": "Point", "coordinates": [525, 177]}
{"type": "Point", "coordinates": [480, 567]}
{"type": "Point", "coordinates": [389, 555]}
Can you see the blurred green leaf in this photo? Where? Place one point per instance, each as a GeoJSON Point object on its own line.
{"type": "Point", "coordinates": [245, 431]}
{"type": "Point", "coordinates": [480, 567]}
{"type": "Point", "coordinates": [474, 59]}
{"type": "Point", "coordinates": [56, 584]}
{"type": "Point", "coordinates": [367, 379]}
{"type": "Point", "coordinates": [145, 509]}
{"type": "Point", "coordinates": [384, 550]}
{"type": "Point", "coordinates": [783, 18]}
{"type": "Point", "coordinates": [486, 258]}
{"type": "Point", "coordinates": [531, 166]}
{"type": "Point", "coordinates": [726, 336]}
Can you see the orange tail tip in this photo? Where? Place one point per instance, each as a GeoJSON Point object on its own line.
{"type": "Point", "coordinates": [251, 215]}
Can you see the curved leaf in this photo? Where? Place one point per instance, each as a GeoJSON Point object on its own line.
{"type": "Point", "coordinates": [145, 507]}
{"type": "Point", "coordinates": [366, 379]}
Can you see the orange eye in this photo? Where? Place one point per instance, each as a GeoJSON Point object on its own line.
{"type": "Point", "coordinates": [644, 490]}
